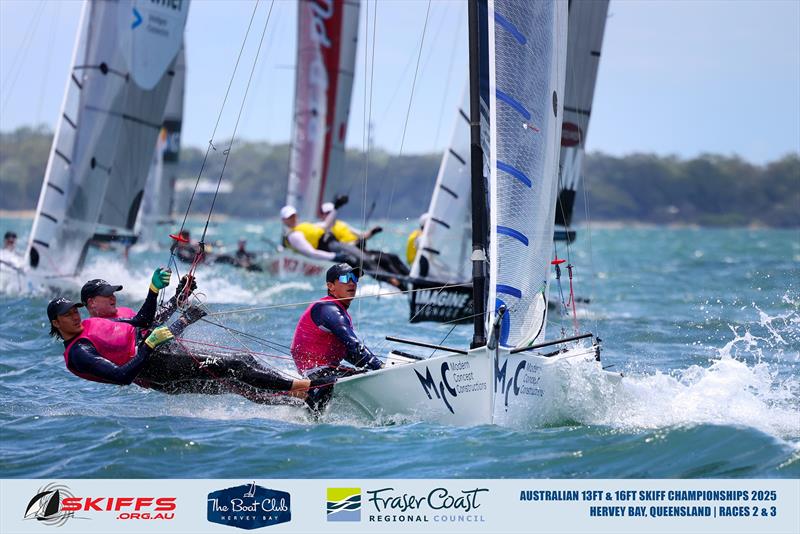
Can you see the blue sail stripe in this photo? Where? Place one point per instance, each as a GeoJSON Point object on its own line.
{"type": "Point", "coordinates": [505, 23]}
{"type": "Point", "coordinates": [509, 290]}
{"type": "Point", "coordinates": [514, 103]}
{"type": "Point", "coordinates": [510, 232]}
{"type": "Point", "coordinates": [505, 322]}
{"type": "Point", "coordinates": [516, 173]}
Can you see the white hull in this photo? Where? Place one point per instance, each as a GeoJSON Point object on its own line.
{"type": "Point", "coordinates": [482, 387]}
{"type": "Point", "coordinates": [289, 263]}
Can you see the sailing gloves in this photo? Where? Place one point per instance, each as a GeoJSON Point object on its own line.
{"type": "Point", "coordinates": [339, 201]}
{"type": "Point", "coordinates": [182, 285]}
{"type": "Point", "coordinates": [375, 230]}
{"type": "Point", "coordinates": [158, 337]}
{"type": "Point", "coordinates": [160, 279]}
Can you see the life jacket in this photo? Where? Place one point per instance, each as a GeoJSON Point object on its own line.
{"type": "Point", "coordinates": [411, 246]}
{"type": "Point", "coordinates": [125, 313]}
{"type": "Point", "coordinates": [343, 233]}
{"type": "Point", "coordinates": [115, 341]}
{"type": "Point", "coordinates": [311, 232]}
{"type": "Point", "coordinates": [313, 347]}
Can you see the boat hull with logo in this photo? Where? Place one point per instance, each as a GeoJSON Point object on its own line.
{"type": "Point", "coordinates": [289, 263]}
{"type": "Point", "coordinates": [450, 389]}
{"type": "Point", "coordinates": [484, 386]}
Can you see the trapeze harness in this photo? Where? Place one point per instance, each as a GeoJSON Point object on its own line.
{"type": "Point", "coordinates": [325, 336]}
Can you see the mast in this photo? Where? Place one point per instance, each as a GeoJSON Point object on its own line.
{"type": "Point", "coordinates": [479, 192]}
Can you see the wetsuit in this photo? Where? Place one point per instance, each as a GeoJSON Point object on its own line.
{"type": "Point", "coordinates": [383, 266]}
{"type": "Point", "coordinates": [324, 337]}
{"type": "Point", "coordinates": [170, 368]}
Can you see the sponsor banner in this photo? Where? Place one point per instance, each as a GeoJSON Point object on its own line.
{"type": "Point", "coordinates": [399, 506]}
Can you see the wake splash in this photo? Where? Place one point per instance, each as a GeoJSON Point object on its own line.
{"type": "Point", "coordinates": [752, 381]}
{"type": "Point", "coordinates": [212, 282]}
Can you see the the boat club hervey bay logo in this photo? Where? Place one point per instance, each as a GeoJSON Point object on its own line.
{"type": "Point", "coordinates": [54, 504]}
{"type": "Point", "coordinates": [249, 506]}
{"type": "Point", "coordinates": [389, 505]}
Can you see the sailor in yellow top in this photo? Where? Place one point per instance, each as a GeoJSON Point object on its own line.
{"type": "Point", "coordinates": [343, 232]}
{"type": "Point", "coordinates": [344, 239]}
{"type": "Point", "coordinates": [305, 237]}
{"type": "Point", "coordinates": [412, 245]}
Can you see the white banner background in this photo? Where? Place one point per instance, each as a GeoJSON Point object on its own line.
{"type": "Point", "coordinates": [499, 509]}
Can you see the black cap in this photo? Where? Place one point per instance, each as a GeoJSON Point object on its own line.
{"type": "Point", "coordinates": [60, 306]}
{"type": "Point", "coordinates": [97, 287]}
{"type": "Point", "coordinates": [339, 269]}
{"type": "Point", "coordinates": [10, 235]}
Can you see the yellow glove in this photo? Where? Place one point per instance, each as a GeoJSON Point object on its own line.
{"type": "Point", "coordinates": [160, 279]}
{"type": "Point", "coordinates": [158, 337]}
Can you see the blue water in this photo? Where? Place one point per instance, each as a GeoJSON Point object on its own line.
{"type": "Point", "coordinates": [704, 324]}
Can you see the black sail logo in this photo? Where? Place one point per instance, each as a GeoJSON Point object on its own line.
{"type": "Point", "coordinates": [45, 506]}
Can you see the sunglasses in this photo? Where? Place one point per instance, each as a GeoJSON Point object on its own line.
{"type": "Point", "coordinates": [349, 277]}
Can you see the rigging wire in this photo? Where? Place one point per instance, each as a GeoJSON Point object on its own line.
{"type": "Point", "coordinates": [19, 60]}
{"type": "Point", "coordinates": [306, 303]}
{"type": "Point", "coordinates": [216, 125]}
{"type": "Point", "coordinates": [408, 112]}
{"type": "Point", "coordinates": [238, 118]}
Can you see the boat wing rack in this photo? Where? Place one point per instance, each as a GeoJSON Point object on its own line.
{"type": "Point", "coordinates": [513, 351]}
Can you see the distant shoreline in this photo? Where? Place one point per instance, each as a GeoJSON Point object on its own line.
{"type": "Point", "coordinates": [604, 225]}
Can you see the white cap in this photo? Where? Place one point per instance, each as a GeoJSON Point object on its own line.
{"type": "Point", "coordinates": [287, 211]}
{"type": "Point", "coordinates": [326, 207]}
{"type": "Point", "coordinates": [424, 218]}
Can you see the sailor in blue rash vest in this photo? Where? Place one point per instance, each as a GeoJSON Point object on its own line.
{"type": "Point", "coordinates": [324, 335]}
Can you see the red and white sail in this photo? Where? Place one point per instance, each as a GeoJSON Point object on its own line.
{"type": "Point", "coordinates": [327, 35]}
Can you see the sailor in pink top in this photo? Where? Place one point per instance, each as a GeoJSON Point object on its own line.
{"type": "Point", "coordinates": [324, 335]}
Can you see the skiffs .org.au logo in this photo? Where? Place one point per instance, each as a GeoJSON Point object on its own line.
{"type": "Point", "coordinates": [55, 504]}
{"type": "Point", "coordinates": [249, 506]}
{"type": "Point", "coordinates": [344, 504]}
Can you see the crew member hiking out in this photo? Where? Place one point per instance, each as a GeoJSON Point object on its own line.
{"type": "Point", "coordinates": [305, 237]}
{"type": "Point", "coordinates": [108, 351]}
{"type": "Point", "coordinates": [343, 238]}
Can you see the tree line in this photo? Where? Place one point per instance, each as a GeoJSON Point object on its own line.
{"type": "Point", "coordinates": [709, 190]}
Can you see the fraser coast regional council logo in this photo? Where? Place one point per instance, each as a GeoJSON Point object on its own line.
{"type": "Point", "coordinates": [344, 504]}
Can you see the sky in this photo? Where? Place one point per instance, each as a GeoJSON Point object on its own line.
{"type": "Point", "coordinates": [676, 77]}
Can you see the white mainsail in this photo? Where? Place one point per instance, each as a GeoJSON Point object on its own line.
{"type": "Point", "coordinates": [527, 63]}
{"type": "Point", "coordinates": [159, 193]}
{"type": "Point", "coordinates": [327, 34]}
{"type": "Point", "coordinates": [445, 243]}
{"type": "Point", "coordinates": [112, 112]}
{"type": "Point", "coordinates": [587, 21]}
{"type": "Point", "coordinates": [444, 251]}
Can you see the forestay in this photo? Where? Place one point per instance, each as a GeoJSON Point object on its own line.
{"type": "Point", "coordinates": [327, 34]}
{"type": "Point", "coordinates": [112, 112]}
{"type": "Point", "coordinates": [526, 66]}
